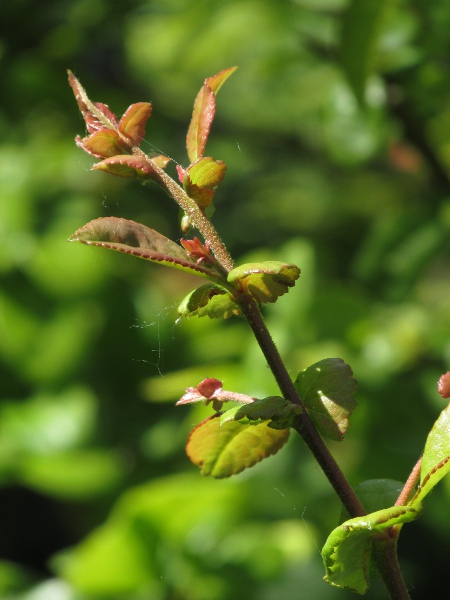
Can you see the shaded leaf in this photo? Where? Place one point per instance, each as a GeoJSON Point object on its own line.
{"type": "Point", "coordinates": [133, 122]}
{"type": "Point", "coordinates": [209, 300]}
{"type": "Point", "coordinates": [133, 238]}
{"type": "Point", "coordinates": [222, 451]}
{"type": "Point", "coordinates": [203, 114]}
{"type": "Point", "coordinates": [375, 494]}
{"type": "Point", "coordinates": [201, 179]}
{"type": "Point", "coordinates": [361, 29]}
{"type": "Point", "coordinates": [278, 412]}
{"type": "Point", "coordinates": [327, 389]}
{"type": "Point", "coordinates": [347, 551]}
{"type": "Point", "coordinates": [436, 457]}
{"type": "Point", "coordinates": [265, 281]}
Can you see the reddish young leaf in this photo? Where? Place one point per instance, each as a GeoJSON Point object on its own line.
{"type": "Point", "coordinates": [102, 144]}
{"type": "Point", "coordinates": [96, 115]}
{"type": "Point", "coordinates": [203, 114]}
{"type": "Point", "coordinates": [133, 122]}
{"type": "Point", "coordinates": [126, 165]}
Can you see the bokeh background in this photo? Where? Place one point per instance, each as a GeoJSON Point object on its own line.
{"type": "Point", "coordinates": [97, 497]}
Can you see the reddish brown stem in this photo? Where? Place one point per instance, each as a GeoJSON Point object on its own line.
{"type": "Point", "coordinates": [410, 484]}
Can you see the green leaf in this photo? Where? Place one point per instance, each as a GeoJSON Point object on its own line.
{"type": "Point", "coordinates": [103, 144]}
{"type": "Point", "coordinates": [201, 179]}
{"type": "Point", "coordinates": [203, 114]}
{"type": "Point", "coordinates": [361, 30]}
{"type": "Point", "coordinates": [265, 281]}
{"type": "Point", "coordinates": [132, 124]}
{"type": "Point", "coordinates": [211, 301]}
{"type": "Point", "coordinates": [278, 412]}
{"type": "Point", "coordinates": [327, 389]}
{"type": "Point", "coordinates": [222, 451]}
{"type": "Point", "coordinates": [347, 551]}
{"type": "Point", "coordinates": [133, 238]}
{"type": "Point", "coordinates": [436, 457]}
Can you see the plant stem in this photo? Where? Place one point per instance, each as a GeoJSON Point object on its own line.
{"type": "Point", "coordinates": [304, 426]}
{"type": "Point", "coordinates": [410, 484]}
{"type": "Point", "coordinates": [385, 555]}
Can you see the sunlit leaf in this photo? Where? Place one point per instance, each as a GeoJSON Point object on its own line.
{"type": "Point", "coordinates": [133, 238]}
{"type": "Point", "coordinates": [209, 300]}
{"type": "Point", "coordinates": [96, 115]}
{"type": "Point", "coordinates": [436, 457]}
{"type": "Point", "coordinates": [102, 144]}
{"type": "Point", "coordinates": [347, 551]}
{"type": "Point", "coordinates": [127, 165]}
{"type": "Point", "coordinates": [203, 114]}
{"type": "Point", "coordinates": [361, 29]}
{"type": "Point", "coordinates": [201, 179]}
{"type": "Point", "coordinates": [221, 451]}
{"type": "Point", "coordinates": [327, 389]}
{"type": "Point", "coordinates": [265, 281]}
{"type": "Point", "coordinates": [133, 122]}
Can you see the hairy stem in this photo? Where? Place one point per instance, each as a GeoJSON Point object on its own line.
{"type": "Point", "coordinates": [410, 484]}
{"type": "Point", "coordinates": [385, 554]}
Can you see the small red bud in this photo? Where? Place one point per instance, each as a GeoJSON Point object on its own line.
{"type": "Point", "coordinates": [444, 385]}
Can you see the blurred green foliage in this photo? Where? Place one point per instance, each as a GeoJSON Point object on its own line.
{"type": "Point", "coordinates": [346, 177]}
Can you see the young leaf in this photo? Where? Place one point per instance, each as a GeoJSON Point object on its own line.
{"type": "Point", "coordinates": [347, 551]}
{"type": "Point", "coordinates": [265, 281]}
{"type": "Point", "coordinates": [102, 144]}
{"type": "Point", "coordinates": [361, 29]}
{"type": "Point", "coordinates": [96, 115]}
{"type": "Point", "coordinates": [278, 412]}
{"type": "Point", "coordinates": [222, 451]}
{"type": "Point", "coordinates": [201, 179]}
{"type": "Point", "coordinates": [132, 124]}
{"type": "Point", "coordinates": [436, 457]}
{"type": "Point", "coordinates": [126, 165]}
{"type": "Point", "coordinates": [203, 114]}
{"type": "Point", "coordinates": [211, 301]}
{"type": "Point", "coordinates": [136, 239]}
{"type": "Point", "coordinates": [327, 389]}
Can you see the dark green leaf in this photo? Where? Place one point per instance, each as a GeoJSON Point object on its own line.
{"type": "Point", "coordinates": [278, 412]}
{"type": "Point", "coordinates": [265, 281]}
{"type": "Point", "coordinates": [228, 449]}
{"type": "Point", "coordinates": [376, 494]}
{"type": "Point", "coordinates": [327, 389]}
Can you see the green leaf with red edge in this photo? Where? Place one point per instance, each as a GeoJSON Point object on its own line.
{"type": "Point", "coordinates": [203, 114]}
{"type": "Point", "coordinates": [127, 165]}
{"type": "Point", "coordinates": [102, 144]}
{"type": "Point", "coordinates": [209, 300]}
{"type": "Point", "coordinates": [327, 389]}
{"type": "Point", "coordinates": [436, 457]}
{"type": "Point", "coordinates": [96, 115]}
{"type": "Point", "coordinates": [347, 552]}
{"type": "Point", "coordinates": [138, 240]}
{"type": "Point", "coordinates": [202, 177]}
{"type": "Point", "coordinates": [133, 122]}
{"type": "Point", "coordinates": [265, 281]}
{"type": "Point", "coordinates": [222, 451]}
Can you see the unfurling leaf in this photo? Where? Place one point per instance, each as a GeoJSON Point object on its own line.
{"type": "Point", "coordinates": [222, 451]}
{"type": "Point", "coordinates": [102, 144]}
{"type": "Point", "coordinates": [136, 239]}
{"type": "Point", "coordinates": [278, 412]}
{"type": "Point", "coordinates": [209, 300]}
{"type": "Point", "coordinates": [126, 165]}
{"type": "Point", "coordinates": [327, 389]}
{"type": "Point", "coordinates": [133, 122]}
{"type": "Point", "coordinates": [201, 178]}
{"type": "Point", "coordinates": [265, 281]}
{"type": "Point", "coordinates": [96, 115]}
{"type": "Point", "coordinates": [444, 385]}
{"type": "Point", "coordinates": [210, 390]}
{"type": "Point", "coordinates": [348, 549]}
{"type": "Point", "coordinates": [436, 457]}
{"type": "Point", "coordinates": [203, 114]}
